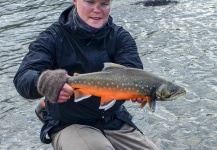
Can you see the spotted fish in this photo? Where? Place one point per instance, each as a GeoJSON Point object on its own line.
{"type": "Point", "coordinates": [117, 82]}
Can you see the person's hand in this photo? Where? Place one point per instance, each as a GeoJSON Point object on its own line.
{"type": "Point", "coordinates": [53, 85]}
{"type": "Point", "coordinates": [139, 100]}
{"type": "Point", "coordinates": [65, 93]}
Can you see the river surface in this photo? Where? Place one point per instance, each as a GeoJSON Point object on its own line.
{"type": "Point", "coordinates": [176, 42]}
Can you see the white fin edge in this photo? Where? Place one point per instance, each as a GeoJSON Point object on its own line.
{"type": "Point", "coordinates": [81, 98]}
{"type": "Point", "coordinates": [153, 106]}
{"type": "Point", "coordinates": [107, 106]}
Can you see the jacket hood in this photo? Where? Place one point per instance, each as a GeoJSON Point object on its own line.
{"type": "Point", "coordinates": [66, 20]}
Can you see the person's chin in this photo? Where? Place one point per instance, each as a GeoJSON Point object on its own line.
{"type": "Point", "coordinates": [96, 24]}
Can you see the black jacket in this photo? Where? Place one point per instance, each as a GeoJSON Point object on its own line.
{"type": "Point", "coordinates": [64, 45]}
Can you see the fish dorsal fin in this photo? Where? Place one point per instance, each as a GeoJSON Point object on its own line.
{"type": "Point", "coordinates": [112, 66]}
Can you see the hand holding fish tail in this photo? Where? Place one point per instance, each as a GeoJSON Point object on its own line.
{"type": "Point", "coordinates": [53, 85]}
{"type": "Point", "coordinates": [65, 93]}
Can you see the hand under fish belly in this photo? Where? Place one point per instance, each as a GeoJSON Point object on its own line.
{"type": "Point", "coordinates": [117, 82]}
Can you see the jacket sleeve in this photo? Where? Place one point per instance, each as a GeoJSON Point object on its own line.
{"type": "Point", "coordinates": [126, 50]}
{"type": "Point", "coordinates": [40, 57]}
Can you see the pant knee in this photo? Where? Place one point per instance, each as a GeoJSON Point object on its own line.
{"type": "Point", "coordinates": [80, 137]}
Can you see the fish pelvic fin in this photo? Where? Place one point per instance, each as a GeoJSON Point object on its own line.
{"type": "Point", "coordinates": [145, 102]}
{"type": "Point", "coordinates": [80, 95]}
{"type": "Point", "coordinates": [112, 66]}
{"type": "Point", "coordinates": [107, 106]}
{"type": "Point", "coordinates": [106, 103]}
{"type": "Point", "coordinates": [151, 103]}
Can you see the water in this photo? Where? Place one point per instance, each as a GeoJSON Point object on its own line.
{"type": "Point", "coordinates": [176, 42]}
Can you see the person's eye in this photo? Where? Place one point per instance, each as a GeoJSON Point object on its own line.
{"type": "Point", "coordinates": [105, 4]}
{"type": "Point", "coordinates": [90, 2]}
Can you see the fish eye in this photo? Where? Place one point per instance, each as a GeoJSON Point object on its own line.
{"type": "Point", "coordinates": [173, 89]}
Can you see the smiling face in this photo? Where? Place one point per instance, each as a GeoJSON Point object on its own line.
{"type": "Point", "coordinates": [94, 12]}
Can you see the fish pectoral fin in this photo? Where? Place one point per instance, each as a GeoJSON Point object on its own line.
{"type": "Point", "coordinates": [152, 105]}
{"type": "Point", "coordinates": [106, 103]}
{"type": "Point", "coordinates": [80, 95]}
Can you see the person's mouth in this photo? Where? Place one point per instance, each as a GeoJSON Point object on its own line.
{"type": "Point", "coordinates": [95, 18]}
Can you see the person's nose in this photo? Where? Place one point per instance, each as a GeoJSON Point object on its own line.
{"type": "Point", "coordinates": [97, 8]}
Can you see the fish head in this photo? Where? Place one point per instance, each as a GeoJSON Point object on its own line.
{"type": "Point", "coordinates": [169, 91]}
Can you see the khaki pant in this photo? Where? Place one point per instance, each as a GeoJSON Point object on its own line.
{"type": "Point", "coordinates": [82, 137]}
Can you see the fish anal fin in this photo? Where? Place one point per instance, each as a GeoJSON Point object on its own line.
{"type": "Point", "coordinates": [81, 95]}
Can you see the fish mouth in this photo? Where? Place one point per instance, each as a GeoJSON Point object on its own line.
{"type": "Point", "coordinates": [177, 95]}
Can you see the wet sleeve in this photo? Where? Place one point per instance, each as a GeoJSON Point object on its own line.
{"type": "Point", "coordinates": [126, 50]}
{"type": "Point", "coordinates": [40, 57]}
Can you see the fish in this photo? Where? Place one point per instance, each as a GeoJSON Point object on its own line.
{"type": "Point", "coordinates": [117, 82]}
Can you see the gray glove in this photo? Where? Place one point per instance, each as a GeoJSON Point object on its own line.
{"type": "Point", "coordinates": [50, 83]}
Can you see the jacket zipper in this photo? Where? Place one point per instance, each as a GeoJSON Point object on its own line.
{"type": "Point", "coordinates": [93, 35]}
